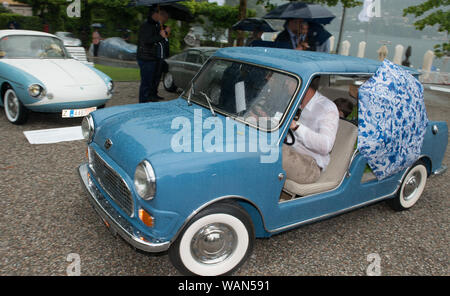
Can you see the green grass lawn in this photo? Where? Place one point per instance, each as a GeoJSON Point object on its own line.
{"type": "Point", "coordinates": [120, 74]}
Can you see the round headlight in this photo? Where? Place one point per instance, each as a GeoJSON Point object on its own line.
{"type": "Point", "coordinates": [87, 128]}
{"type": "Point", "coordinates": [110, 86]}
{"type": "Point", "coordinates": [35, 90]}
{"type": "Point", "coordinates": [145, 180]}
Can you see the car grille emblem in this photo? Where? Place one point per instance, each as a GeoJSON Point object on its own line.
{"type": "Point", "coordinates": [108, 144]}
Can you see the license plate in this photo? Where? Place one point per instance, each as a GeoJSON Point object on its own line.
{"type": "Point", "coordinates": [71, 113]}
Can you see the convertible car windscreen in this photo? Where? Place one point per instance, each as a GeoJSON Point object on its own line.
{"type": "Point", "coordinates": [256, 95]}
{"type": "Point", "coordinates": [32, 47]}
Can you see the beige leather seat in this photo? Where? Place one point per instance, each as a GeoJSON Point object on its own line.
{"type": "Point", "coordinates": [340, 157]}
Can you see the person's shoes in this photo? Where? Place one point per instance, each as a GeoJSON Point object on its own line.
{"type": "Point", "coordinates": [158, 98]}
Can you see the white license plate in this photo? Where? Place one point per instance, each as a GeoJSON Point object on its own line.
{"type": "Point", "coordinates": [70, 113]}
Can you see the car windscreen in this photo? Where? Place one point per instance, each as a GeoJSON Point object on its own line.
{"type": "Point", "coordinates": [32, 47]}
{"type": "Point", "coordinates": [256, 95]}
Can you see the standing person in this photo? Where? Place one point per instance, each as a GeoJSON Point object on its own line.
{"type": "Point", "coordinates": [153, 48]}
{"type": "Point", "coordinates": [256, 36]}
{"type": "Point", "coordinates": [96, 37]}
{"type": "Point", "coordinates": [290, 33]}
{"type": "Point", "coordinates": [305, 39]}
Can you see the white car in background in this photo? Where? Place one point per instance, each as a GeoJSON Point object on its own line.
{"type": "Point", "coordinates": [38, 74]}
{"type": "Point", "coordinates": [73, 46]}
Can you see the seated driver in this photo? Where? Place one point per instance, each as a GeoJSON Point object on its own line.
{"type": "Point", "coordinates": [314, 135]}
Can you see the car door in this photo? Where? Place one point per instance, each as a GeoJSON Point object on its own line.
{"type": "Point", "coordinates": [176, 66]}
{"type": "Point", "coordinates": [190, 67]}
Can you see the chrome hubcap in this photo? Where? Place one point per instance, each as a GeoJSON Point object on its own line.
{"type": "Point", "coordinates": [13, 105]}
{"type": "Point", "coordinates": [168, 80]}
{"type": "Point", "coordinates": [213, 243]}
{"type": "Point", "coordinates": [411, 186]}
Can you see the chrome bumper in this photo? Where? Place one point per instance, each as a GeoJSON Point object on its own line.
{"type": "Point", "coordinates": [440, 171]}
{"type": "Point", "coordinates": [116, 222]}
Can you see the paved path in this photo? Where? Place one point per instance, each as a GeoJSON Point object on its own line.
{"type": "Point", "coordinates": [45, 216]}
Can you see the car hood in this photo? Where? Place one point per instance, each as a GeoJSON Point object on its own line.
{"type": "Point", "coordinates": [153, 131]}
{"type": "Point", "coordinates": [57, 72]}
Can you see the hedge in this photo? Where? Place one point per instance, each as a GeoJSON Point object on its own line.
{"type": "Point", "coordinates": [25, 22]}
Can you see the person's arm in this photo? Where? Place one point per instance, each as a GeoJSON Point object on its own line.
{"type": "Point", "coordinates": [150, 36]}
{"type": "Point", "coordinates": [319, 142]}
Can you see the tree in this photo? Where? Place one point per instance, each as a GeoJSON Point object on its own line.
{"type": "Point", "coordinates": [345, 3]}
{"type": "Point", "coordinates": [436, 15]}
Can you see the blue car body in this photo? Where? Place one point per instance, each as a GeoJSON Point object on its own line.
{"type": "Point", "coordinates": [189, 182]}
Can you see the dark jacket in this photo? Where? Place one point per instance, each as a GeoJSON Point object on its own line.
{"type": "Point", "coordinates": [151, 45]}
{"type": "Point", "coordinates": [285, 38]}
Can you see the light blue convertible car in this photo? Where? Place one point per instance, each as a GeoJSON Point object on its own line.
{"type": "Point", "coordinates": [201, 176]}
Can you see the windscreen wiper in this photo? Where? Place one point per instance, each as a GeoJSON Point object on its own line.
{"type": "Point", "coordinates": [209, 103]}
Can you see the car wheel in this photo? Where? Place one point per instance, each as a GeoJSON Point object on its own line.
{"type": "Point", "coordinates": [411, 188]}
{"type": "Point", "coordinates": [168, 82]}
{"type": "Point", "coordinates": [15, 111]}
{"type": "Point", "coordinates": [216, 241]}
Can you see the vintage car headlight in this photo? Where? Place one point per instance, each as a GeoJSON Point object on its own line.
{"type": "Point", "coordinates": [36, 91]}
{"type": "Point", "coordinates": [87, 128]}
{"type": "Point", "coordinates": [110, 87]}
{"type": "Point", "coordinates": [145, 180]}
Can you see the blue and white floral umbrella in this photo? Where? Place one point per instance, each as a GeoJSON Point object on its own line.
{"type": "Point", "coordinates": [392, 120]}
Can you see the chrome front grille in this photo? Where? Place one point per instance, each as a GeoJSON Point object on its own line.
{"type": "Point", "coordinates": [111, 182]}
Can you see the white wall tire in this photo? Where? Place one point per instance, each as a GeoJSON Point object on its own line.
{"type": "Point", "coordinates": [168, 82]}
{"type": "Point", "coordinates": [411, 188]}
{"type": "Point", "coordinates": [15, 112]}
{"type": "Point", "coordinates": [216, 242]}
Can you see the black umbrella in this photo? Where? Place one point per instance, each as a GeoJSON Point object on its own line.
{"type": "Point", "coordinates": [150, 2]}
{"type": "Point", "coordinates": [97, 25]}
{"type": "Point", "coordinates": [301, 10]}
{"type": "Point", "coordinates": [175, 11]}
{"type": "Point", "coordinates": [253, 24]}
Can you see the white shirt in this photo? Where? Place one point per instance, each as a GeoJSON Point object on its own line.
{"type": "Point", "coordinates": [316, 133]}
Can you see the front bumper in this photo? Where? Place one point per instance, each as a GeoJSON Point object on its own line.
{"type": "Point", "coordinates": [116, 222]}
{"type": "Point", "coordinates": [440, 171]}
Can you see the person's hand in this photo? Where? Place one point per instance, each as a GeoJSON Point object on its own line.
{"type": "Point", "coordinates": [163, 34]}
{"type": "Point", "coordinates": [168, 30]}
{"type": "Point", "coordinates": [294, 125]}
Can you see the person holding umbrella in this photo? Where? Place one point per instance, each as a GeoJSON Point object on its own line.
{"type": "Point", "coordinates": [290, 35]}
{"type": "Point", "coordinates": [153, 48]}
{"type": "Point", "coordinates": [256, 25]}
{"type": "Point", "coordinates": [294, 13]}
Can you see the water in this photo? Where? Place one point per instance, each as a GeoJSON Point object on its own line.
{"type": "Point", "coordinates": [419, 47]}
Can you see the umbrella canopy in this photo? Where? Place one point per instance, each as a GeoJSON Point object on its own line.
{"type": "Point", "coordinates": [301, 10]}
{"type": "Point", "coordinates": [97, 25]}
{"type": "Point", "coordinates": [151, 2]}
{"type": "Point", "coordinates": [392, 120]}
{"type": "Point", "coordinates": [253, 24]}
{"type": "Point", "coordinates": [175, 11]}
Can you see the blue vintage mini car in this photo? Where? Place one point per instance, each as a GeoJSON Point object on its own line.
{"type": "Point", "coordinates": [201, 176]}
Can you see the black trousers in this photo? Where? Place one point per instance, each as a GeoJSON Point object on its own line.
{"type": "Point", "coordinates": [151, 72]}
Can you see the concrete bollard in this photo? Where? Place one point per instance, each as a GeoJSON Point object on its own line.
{"type": "Point", "coordinates": [361, 49]}
{"type": "Point", "coordinates": [382, 52]}
{"type": "Point", "coordinates": [427, 63]}
{"type": "Point", "coordinates": [332, 40]}
{"type": "Point", "coordinates": [398, 54]}
{"type": "Point", "coordinates": [345, 48]}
